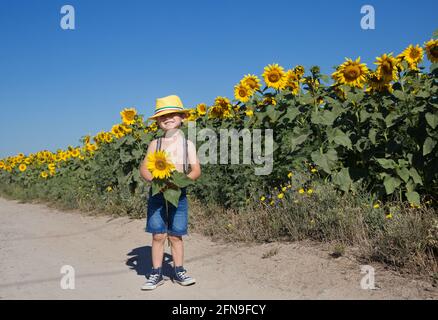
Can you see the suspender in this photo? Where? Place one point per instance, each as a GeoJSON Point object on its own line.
{"type": "Point", "coordinates": [185, 153]}
{"type": "Point", "coordinates": [185, 156]}
{"type": "Point", "coordinates": [158, 144]}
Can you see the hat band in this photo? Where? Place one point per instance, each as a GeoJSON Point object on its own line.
{"type": "Point", "coordinates": [168, 108]}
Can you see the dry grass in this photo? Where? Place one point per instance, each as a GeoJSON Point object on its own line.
{"type": "Point", "coordinates": [406, 242]}
{"type": "Point", "coordinates": [270, 253]}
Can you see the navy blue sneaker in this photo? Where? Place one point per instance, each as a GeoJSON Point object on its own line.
{"type": "Point", "coordinates": [182, 278]}
{"type": "Point", "coordinates": [155, 279]}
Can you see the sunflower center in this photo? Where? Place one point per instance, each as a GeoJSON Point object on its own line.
{"type": "Point", "coordinates": [251, 83]}
{"type": "Point", "coordinates": [414, 54]}
{"type": "Point", "coordinates": [160, 164]}
{"type": "Point", "coordinates": [434, 51]}
{"type": "Point", "coordinates": [387, 67]}
{"type": "Point", "coordinates": [242, 92]}
{"type": "Point", "coordinates": [352, 72]}
{"type": "Point", "coordinates": [274, 77]}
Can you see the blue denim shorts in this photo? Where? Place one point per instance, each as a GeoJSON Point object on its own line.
{"type": "Point", "coordinates": [174, 221]}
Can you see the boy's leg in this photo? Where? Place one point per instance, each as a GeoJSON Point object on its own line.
{"type": "Point", "coordinates": [177, 249]}
{"type": "Point", "coordinates": [178, 222]}
{"type": "Point", "coordinates": [155, 279]}
{"type": "Point", "coordinates": [158, 240]}
{"type": "Point", "coordinates": [178, 257]}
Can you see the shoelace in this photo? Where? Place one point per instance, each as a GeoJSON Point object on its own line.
{"type": "Point", "coordinates": [153, 278]}
{"type": "Point", "coordinates": [182, 275]}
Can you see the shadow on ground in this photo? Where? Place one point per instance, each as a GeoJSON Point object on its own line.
{"type": "Point", "coordinates": [140, 260]}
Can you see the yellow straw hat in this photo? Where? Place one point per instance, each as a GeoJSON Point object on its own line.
{"type": "Point", "coordinates": [169, 104]}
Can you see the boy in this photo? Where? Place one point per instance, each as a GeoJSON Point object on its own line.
{"type": "Point", "coordinates": [166, 220]}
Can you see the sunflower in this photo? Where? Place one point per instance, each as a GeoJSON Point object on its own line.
{"type": "Point", "coordinates": [340, 93]}
{"type": "Point", "coordinates": [159, 165]}
{"type": "Point", "coordinates": [115, 130]}
{"type": "Point", "coordinates": [223, 102]}
{"type": "Point", "coordinates": [99, 138]}
{"type": "Point", "coordinates": [377, 83]}
{"type": "Point", "coordinates": [108, 137]}
{"type": "Point", "coordinates": [44, 175]}
{"type": "Point", "coordinates": [91, 147]}
{"type": "Point", "coordinates": [269, 101]}
{"type": "Point", "coordinates": [432, 50]}
{"type": "Point", "coordinates": [299, 71]}
{"type": "Point", "coordinates": [22, 167]}
{"type": "Point", "coordinates": [218, 112]}
{"type": "Point", "coordinates": [128, 116]}
{"type": "Point", "coordinates": [275, 76]}
{"type": "Point", "coordinates": [352, 73]}
{"type": "Point", "coordinates": [387, 67]}
{"type": "Point", "coordinates": [51, 166]}
{"type": "Point", "coordinates": [412, 55]}
{"type": "Point", "coordinates": [215, 112]}
{"type": "Point", "coordinates": [292, 82]}
{"type": "Point", "coordinates": [75, 153]}
{"type": "Point", "coordinates": [291, 75]}
{"type": "Point", "coordinates": [252, 81]}
{"type": "Point", "coordinates": [125, 129]}
{"type": "Point", "coordinates": [153, 127]}
{"type": "Point", "coordinates": [201, 108]}
{"type": "Point", "coordinates": [242, 92]}
{"type": "Point", "coordinates": [2, 165]}
{"type": "Point", "coordinates": [249, 112]}
{"type": "Point", "coordinates": [193, 115]}
{"type": "Point", "coordinates": [120, 130]}
{"type": "Point", "coordinates": [221, 108]}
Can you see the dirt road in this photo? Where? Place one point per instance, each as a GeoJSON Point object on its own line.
{"type": "Point", "coordinates": [111, 256]}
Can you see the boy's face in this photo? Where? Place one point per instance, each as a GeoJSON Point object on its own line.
{"type": "Point", "coordinates": [170, 121]}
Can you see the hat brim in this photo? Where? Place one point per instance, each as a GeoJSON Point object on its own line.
{"type": "Point", "coordinates": [162, 113]}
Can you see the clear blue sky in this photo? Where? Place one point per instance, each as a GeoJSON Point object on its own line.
{"type": "Point", "coordinates": [58, 85]}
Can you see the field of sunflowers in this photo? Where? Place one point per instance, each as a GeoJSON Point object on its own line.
{"type": "Point", "coordinates": [355, 160]}
{"type": "Point", "coordinates": [367, 127]}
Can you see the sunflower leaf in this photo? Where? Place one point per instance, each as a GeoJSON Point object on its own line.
{"type": "Point", "coordinates": [399, 95]}
{"type": "Point", "coordinates": [326, 161]}
{"type": "Point", "coordinates": [172, 195]}
{"type": "Point", "coordinates": [432, 119]}
{"type": "Point", "coordinates": [342, 179]}
{"type": "Point", "coordinates": [387, 163]}
{"type": "Point", "coordinates": [181, 180]}
{"type": "Point", "coordinates": [413, 197]}
{"type": "Point", "coordinates": [414, 174]}
{"type": "Point", "coordinates": [391, 183]}
{"type": "Point", "coordinates": [429, 145]}
{"type": "Point", "coordinates": [157, 185]}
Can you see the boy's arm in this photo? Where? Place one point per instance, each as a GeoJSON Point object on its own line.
{"type": "Point", "coordinates": [144, 172]}
{"type": "Point", "coordinates": [193, 159]}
